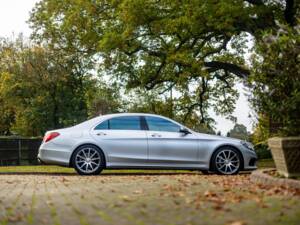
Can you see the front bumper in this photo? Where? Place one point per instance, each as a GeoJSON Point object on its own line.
{"type": "Point", "coordinates": [250, 159]}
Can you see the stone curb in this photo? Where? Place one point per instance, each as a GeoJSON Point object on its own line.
{"type": "Point", "coordinates": [260, 176]}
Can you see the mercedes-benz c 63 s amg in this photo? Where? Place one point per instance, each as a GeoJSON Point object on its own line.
{"type": "Point", "coordinates": [146, 141]}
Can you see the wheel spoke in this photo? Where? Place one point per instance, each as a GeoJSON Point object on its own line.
{"type": "Point", "coordinates": [234, 166]}
{"type": "Point", "coordinates": [95, 159]}
{"type": "Point", "coordinates": [79, 156]}
{"type": "Point", "coordinates": [220, 157]}
{"type": "Point", "coordinates": [229, 153]}
{"type": "Point", "coordinates": [222, 166]}
{"type": "Point", "coordinates": [234, 156]}
{"type": "Point", "coordinates": [82, 165]}
{"type": "Point", "coordinates": [84, 154]}
{"type": "Point", "coordinates": [93, 154]}
{"type": "Point", "coordinates": [224, 154]}
{"type": "Point", "coordinates": [227, 156]}
{"type": "Point", "coordinates": [87, 167]}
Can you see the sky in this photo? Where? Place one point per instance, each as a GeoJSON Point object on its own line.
{"type": "Point", "coordinates": [15, 13]}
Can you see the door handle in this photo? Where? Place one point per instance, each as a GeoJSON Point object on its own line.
{"type": "Point", "coordinates": [101, 134]}
{"type": "Point", "coordinates": [155, 135]}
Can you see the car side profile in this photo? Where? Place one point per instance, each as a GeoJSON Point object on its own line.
{"type": "Point", "coordinates": [145, 141]}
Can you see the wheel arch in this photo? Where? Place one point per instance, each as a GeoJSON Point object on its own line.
{"type": "Point", "coordinates": [90, 144]}
{"type": "Point", "coordinates": [224, 146]}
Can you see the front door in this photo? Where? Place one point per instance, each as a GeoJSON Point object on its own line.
{"type": "Point", "coordinates": [168, 147]}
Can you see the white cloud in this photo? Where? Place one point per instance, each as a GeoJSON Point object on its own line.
{"type": "Point", "coordinates": [241, 112]}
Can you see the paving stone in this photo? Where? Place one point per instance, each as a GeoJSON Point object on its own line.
{"type": "Point", "coordinates": [143, 199]}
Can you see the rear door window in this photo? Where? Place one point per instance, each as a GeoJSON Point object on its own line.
{"type": "Point", "coordinates": [121, 123]}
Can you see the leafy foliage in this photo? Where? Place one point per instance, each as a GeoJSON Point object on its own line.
{"type": "Point", "coordinates": [276, 81]}
{"type": "Point", "coordinates": [176, 58]}
{"type": "Point", "coordinates": [103, 99]}
{"type": "Point", "coordinates": [239, 131]}
{"type": "Point", "coordinates": [193, 49]}
{"type": "Point", "coordinates": [40, 89]}
{"type": "Point", "coordinates": [155, 45]}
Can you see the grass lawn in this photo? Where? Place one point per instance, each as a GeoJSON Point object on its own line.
{"type": "Point", "coordinates": [40, 169]}
{"type": "Point", "coordinates": [265, 163]}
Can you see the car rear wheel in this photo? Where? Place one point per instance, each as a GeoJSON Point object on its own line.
{"type": "Point", "coordinates": [227, 161]}
{"type": "Point", "coordinates": [88, 160]}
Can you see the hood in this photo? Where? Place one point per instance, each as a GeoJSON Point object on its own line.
{"type": "Point", "coordinates": [216, 137]}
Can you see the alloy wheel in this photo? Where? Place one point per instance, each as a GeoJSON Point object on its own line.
{"type": "Point", "coordinates": [227, 161]}
{"type": "Point", "coordinates": [88, 160]}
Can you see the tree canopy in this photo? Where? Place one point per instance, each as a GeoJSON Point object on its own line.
{"type": "Point", "coordinates": [275, 81]}
{"type": "Point", "coordinates": [193, 48]}
{"type": "Point", "coordinates": [176, 58]}
{"type": "Point", "coordinates": [239, 131]}
{"type": "Point", "coordinates": [40, 89]}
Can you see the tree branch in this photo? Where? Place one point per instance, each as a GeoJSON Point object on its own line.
{"type": "Point", "coordinates": [219, 49]}
{"type": "Point", "coordinates": [290, 11]}
{"type": "Point", "coordinates": [232, 68]}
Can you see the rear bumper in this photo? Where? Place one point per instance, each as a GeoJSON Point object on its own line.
{"type": "Point", "coordinates": [54, 157]}
{"type": "Point", "coordinates": [41, 161]}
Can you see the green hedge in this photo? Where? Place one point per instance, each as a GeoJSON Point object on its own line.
{"type": "Point", "coordinates": [263, 152]}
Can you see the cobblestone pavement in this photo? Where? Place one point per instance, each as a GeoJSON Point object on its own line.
{"type": "Point", "coordinates": [179, 198]}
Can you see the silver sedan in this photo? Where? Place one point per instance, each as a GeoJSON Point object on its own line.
{"type": "Point", "coordinates": [145, 141]}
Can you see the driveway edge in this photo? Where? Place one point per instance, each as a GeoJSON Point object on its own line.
{"type": "Point", "coordinates": [261, 176]}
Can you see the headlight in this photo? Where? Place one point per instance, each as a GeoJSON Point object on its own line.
{"type": "Point", "coordinates": [248, 145]}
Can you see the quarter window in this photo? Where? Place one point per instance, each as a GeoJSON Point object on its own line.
{"type": "Point", "coordinates": [160, 124]}
{"type": "Point", "coordinates": [102, 126]}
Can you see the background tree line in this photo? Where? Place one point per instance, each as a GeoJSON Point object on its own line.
{"type": "Point", "coordinates": [175, 58]}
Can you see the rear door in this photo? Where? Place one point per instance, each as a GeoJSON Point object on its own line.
{"type": "Point", "coordinates": [168, 147]}
{"type": "Point", "coordinates": [123, 140]}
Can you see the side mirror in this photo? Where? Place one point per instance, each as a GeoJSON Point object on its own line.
{"type": "Point", "coordinates": [184, 131]}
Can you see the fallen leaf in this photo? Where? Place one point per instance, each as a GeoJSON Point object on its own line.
{"type": "Point", "coordinates": [239, 222]}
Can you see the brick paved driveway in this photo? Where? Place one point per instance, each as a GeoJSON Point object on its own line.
{"type": "Point", "coordinates": [178, 198]}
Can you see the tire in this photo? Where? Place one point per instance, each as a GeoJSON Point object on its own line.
{"type": "Point", "coordinates": [88, 160]}
{"type": "Point", "coordinates": [227, 161]}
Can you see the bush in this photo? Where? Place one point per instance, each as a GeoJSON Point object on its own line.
{"type": "Point", "coordinates": [263, 152]}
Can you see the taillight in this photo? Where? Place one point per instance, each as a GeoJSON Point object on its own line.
{"type": "Point", "coordinates": [50, 136]}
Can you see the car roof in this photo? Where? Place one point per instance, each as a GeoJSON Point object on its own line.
{"type": "Point", "coordinates": [129, 114]}
{"type": "Point", "coordinates": [100, 118]}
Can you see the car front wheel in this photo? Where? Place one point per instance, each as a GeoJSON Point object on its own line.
{"type": "Point", "coordinates": [226, 161]}
{"type": "Point", "coordinates": [88, 160]}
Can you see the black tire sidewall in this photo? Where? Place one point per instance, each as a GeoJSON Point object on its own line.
{"type": "Point", "coordinates": [213, 162]}
{"type": "Point", "coordinates": [102, 161]}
